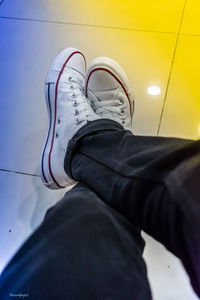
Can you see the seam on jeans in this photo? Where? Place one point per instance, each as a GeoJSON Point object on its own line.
{"type": "Point", "coordinates": [74, 143]}
{"type": "Point", "coordinates": [163, 183]}
{"type": "Point", "coordinates": [118, 172]}
{"type": "Point", "coordinates": [80, 135]}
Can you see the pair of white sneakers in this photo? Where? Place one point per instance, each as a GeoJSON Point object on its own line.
{"type": "Point", "coordinates": [73, 97]}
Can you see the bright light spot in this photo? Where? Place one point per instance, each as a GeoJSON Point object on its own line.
{"type": "Point", "coordinates": [154, 90]}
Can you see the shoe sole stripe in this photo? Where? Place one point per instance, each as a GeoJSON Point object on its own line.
{"type": "Point", "coordinates": [57, 186]}
{"type": "Point", "coordinates": [44, 171]}
{"type": "Point", "coordinates": [49, 107]}
{"type": "Point", "coordinates": [118, 80]}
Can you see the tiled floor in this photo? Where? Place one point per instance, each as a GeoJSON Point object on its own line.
{"type": "Point", "coordinates": [157, 43]}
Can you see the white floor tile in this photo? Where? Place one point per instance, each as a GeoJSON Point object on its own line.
{"type": "Point", "coordinates": [181, 117]}
{"type": "Point", "coordinates": [24, 201]}
{"type": "Point", "coordinates": [166, 274]}
{"type": "Point", "coordinates": [26, 53]}
{"type": "Point", "coordinates": [143, 15]}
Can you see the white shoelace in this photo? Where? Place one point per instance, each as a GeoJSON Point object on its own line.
{"type": "Point", "coordinates": [113, 106]}
{"type": "Point", "coordinates": [83, 110]}
{"type": "Point", "coordinates": [109, 106]}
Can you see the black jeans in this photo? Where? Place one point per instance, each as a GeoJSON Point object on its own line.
{"type": "Point", "coordinates": [87, 248]}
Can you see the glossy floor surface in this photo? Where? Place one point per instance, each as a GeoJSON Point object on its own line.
{"type": "Point", "coordinates": [156, 42]}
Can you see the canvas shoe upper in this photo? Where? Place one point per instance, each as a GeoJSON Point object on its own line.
{"type": "Point", "coordinates": [109, 91]}
{"type": "Point", "coordinates": [68, 111]}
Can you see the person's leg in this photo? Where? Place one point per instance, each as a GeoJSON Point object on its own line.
{"type": "Point", "coordinates": [83, 250]}
{"type": "Point", "coordinates": [152, 181]}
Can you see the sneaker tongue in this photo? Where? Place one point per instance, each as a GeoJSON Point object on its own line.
{"type": "Point", "coordinates": [103, 95]}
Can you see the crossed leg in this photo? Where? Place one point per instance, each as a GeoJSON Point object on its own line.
{"type": "Point", "coordinates": [83, 250]}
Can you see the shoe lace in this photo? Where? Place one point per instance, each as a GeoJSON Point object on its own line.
{"type": "Point", "coordinates": [83, 110]}
{"type": "Point", "coordinates": [114, 105]}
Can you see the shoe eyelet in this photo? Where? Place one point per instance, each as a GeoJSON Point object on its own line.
{"type": "Point", "coordinates": [77, 122]}
{"type": "Point", "coordinates": [76, 112]}
{"type": "Point", "coordinates": [71, 87]}
{"type": "Point", "coordinates": [123, 122]}
{"type": "Point", "coordinates": [75, 104]}
{"type": "Point", "coordinates": [58, 121]}
{"type": "Point", "coordinates": [73, 95]}
{"type": "Point", "coordinates": [57, 135]}
{"type": "Point", "coordinates": [122, 113]}
{"type": "Point", "coordinates": [121, 101]}
{"type": "Point", "coordinates": [70, 78]}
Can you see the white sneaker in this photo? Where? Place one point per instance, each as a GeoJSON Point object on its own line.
{"type": "Point", "coordinates": [109, 91]}
{"type": "Point", "coordinates": [68, 111]}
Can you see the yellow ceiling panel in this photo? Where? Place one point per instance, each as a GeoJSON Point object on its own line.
{"type": "Point", "coordinates": [181, 116]}
{"type": "Point", "coordinates": [154, 15]}
{"type": "Point", "coordinates": [191, 20]}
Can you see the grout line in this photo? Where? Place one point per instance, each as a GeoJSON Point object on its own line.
{"type": "Point", "coordinates": [190, 34]}
{"type": "Point", "coordinates": [100, 26]}
{"type": "Point", "coordinates": [171, 68]}
{"type": "Point", "coordinates": [17, 172]}
{"type": "Point", "coordinates": [88, 25]}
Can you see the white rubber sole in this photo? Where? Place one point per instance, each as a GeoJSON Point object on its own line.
{"type": "Point", "coordinates": [111, 66]}
{"type": "Point", "coordinates": [46, 174]}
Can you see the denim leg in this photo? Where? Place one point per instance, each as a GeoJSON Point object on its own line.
{"type": "Point", "coordinates": [154, 182]}
{"type": "Point", "coordinates": [83, 250]}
